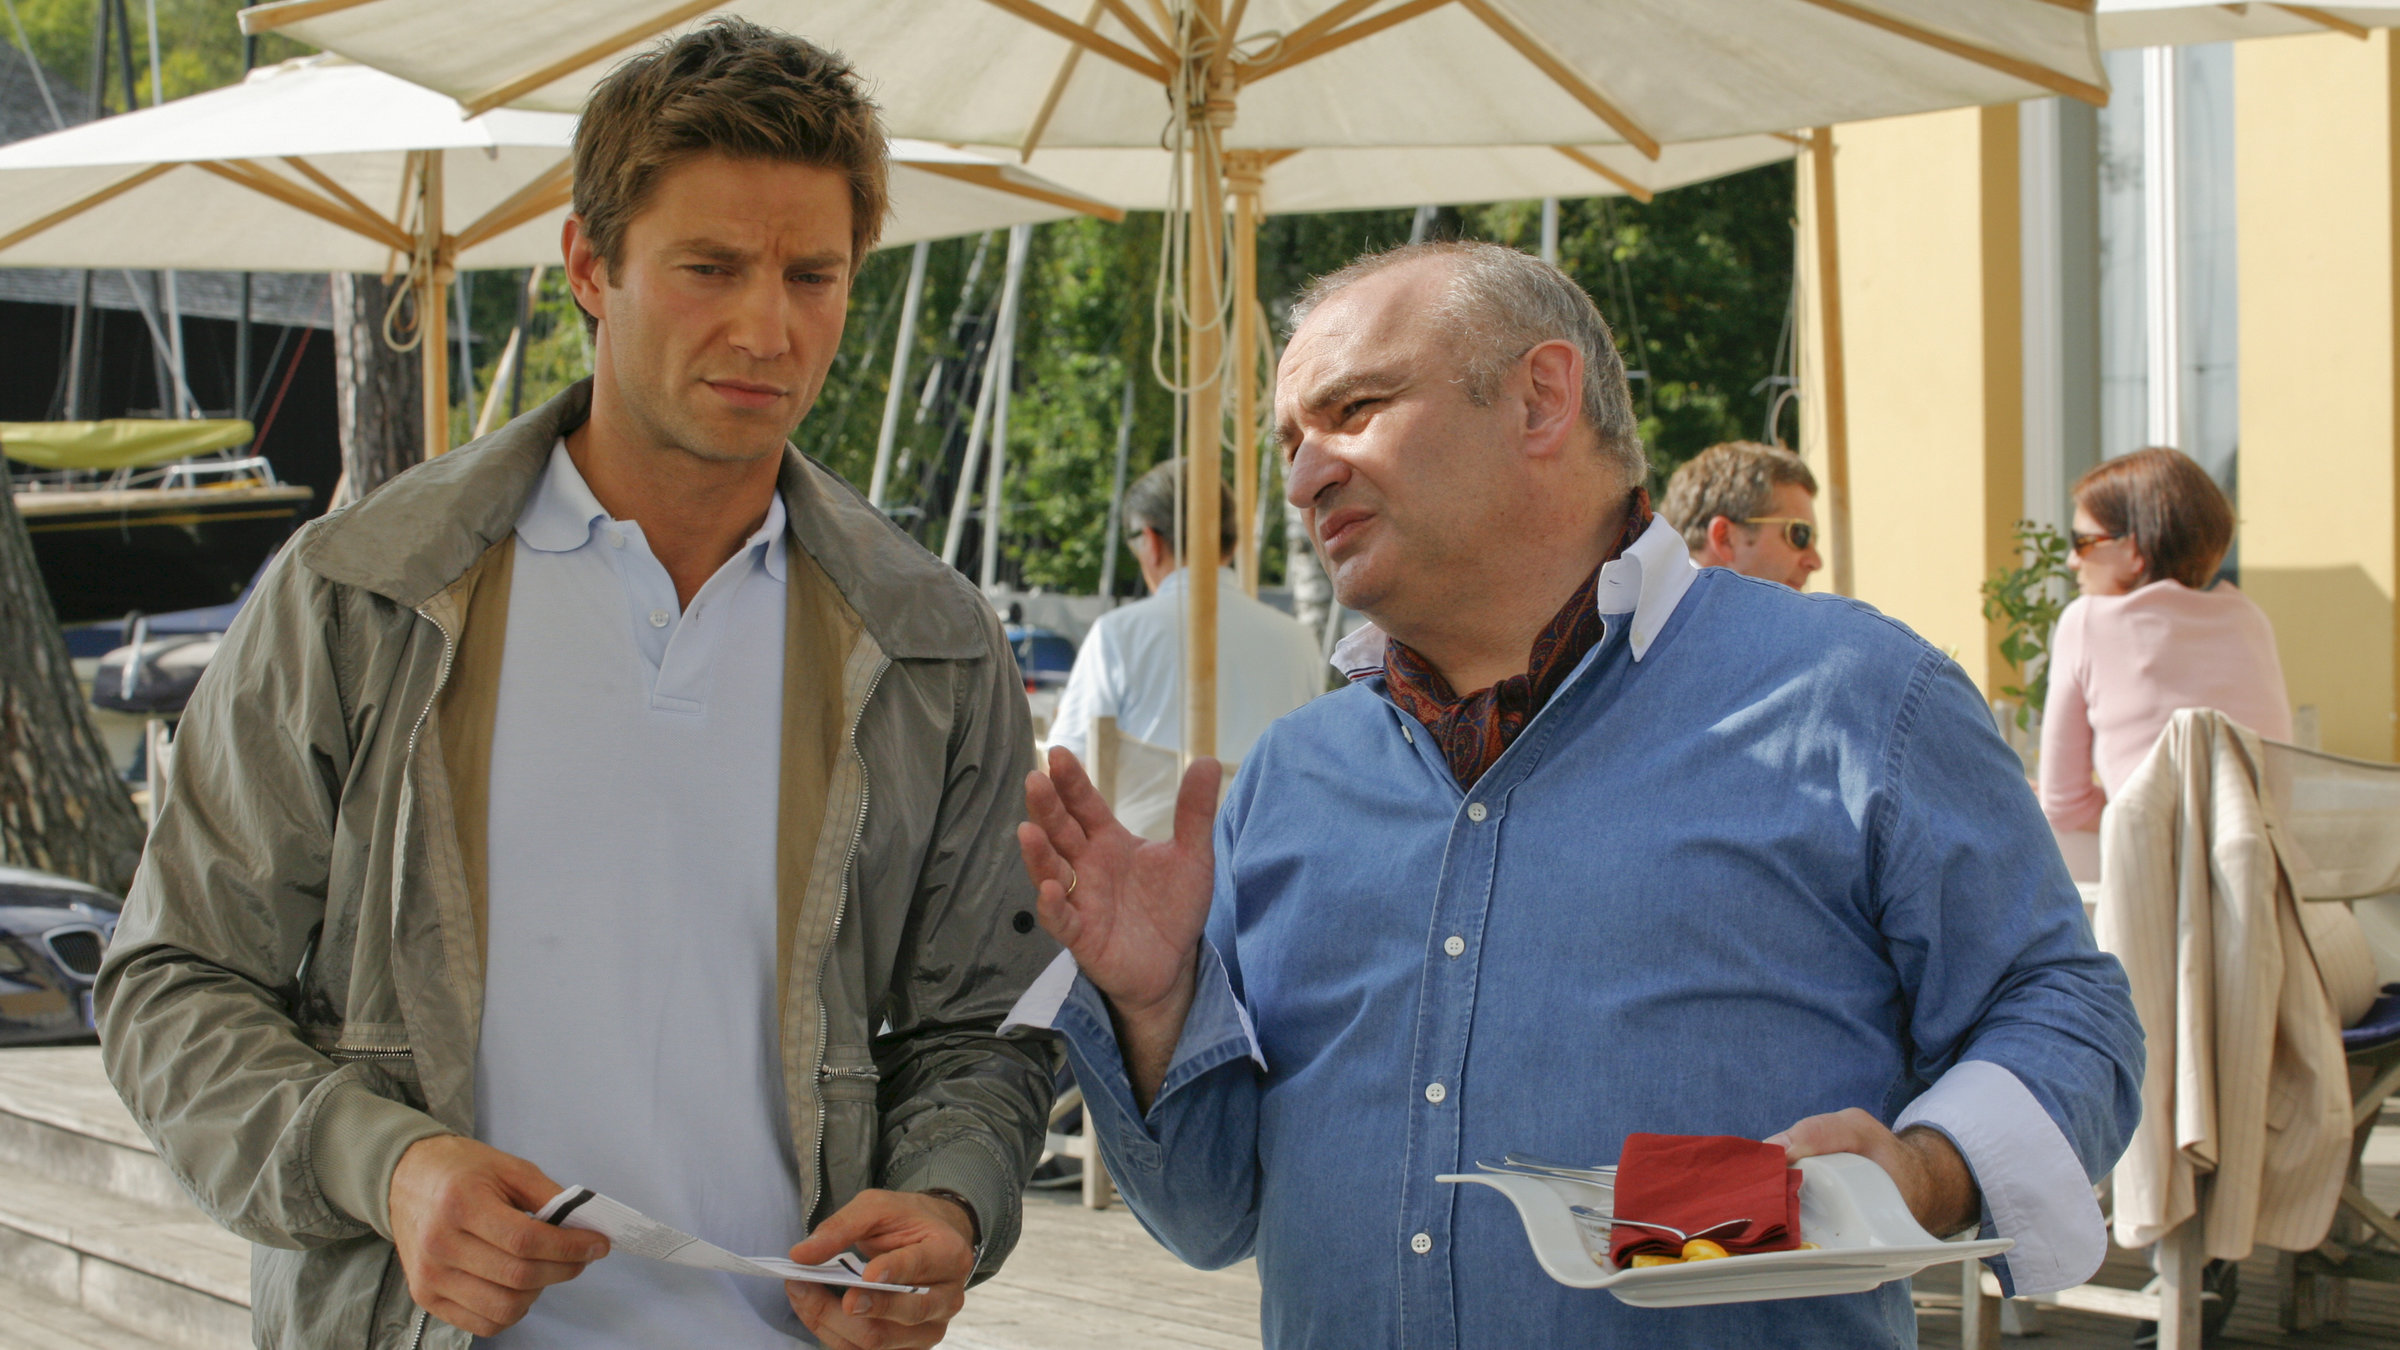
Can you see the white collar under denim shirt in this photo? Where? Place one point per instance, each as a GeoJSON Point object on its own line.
{"type": "Point", "coordinates": [1646, 581]}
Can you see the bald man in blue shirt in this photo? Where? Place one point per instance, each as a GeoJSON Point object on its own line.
{"type": "Point", "coordinates": [1595, 842]}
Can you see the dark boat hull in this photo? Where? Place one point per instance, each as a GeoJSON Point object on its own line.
{"type": "Point", "coordinates": [106, 553]}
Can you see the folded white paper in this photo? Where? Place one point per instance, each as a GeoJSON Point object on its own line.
{"type": "Point", "coordinates": [629, 1230]}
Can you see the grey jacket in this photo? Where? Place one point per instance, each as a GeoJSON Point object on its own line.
{"type": "Point", "coordinates": [294, 995]}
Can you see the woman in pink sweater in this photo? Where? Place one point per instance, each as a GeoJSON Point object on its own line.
{"type": "Point", "coordinates": [2150, 633]}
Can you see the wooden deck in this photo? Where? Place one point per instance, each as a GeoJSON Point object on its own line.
{"type": "Point", "coordinates": [1082, 1278]}
{"type": "Point", "coordinates": [1096, 1278]}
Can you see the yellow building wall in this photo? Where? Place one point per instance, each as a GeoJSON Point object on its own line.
{"type": "Point", "coordinates": [2318, 168]}
{"type": "Point", "coordinates": [1927, 218]}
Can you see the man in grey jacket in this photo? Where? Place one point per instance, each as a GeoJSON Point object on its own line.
{"type": "Point", "coordinates": [620, 800]}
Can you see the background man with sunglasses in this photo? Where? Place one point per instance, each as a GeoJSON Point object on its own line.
{"type": "Point", "coordinates": [1749, 507]}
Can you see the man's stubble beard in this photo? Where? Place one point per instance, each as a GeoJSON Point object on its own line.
{"type": "Point", "coordinates": [663, 426]}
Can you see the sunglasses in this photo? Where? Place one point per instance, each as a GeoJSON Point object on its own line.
{"type": "Point", "coordinates": [1796, 532]}
{"type": "Point", "coordinates": [2085, 543]}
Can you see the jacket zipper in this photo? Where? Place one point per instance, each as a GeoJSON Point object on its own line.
{"type": "Point", "coordinates": [440, 681]}
{"type": "Point", "coordinates": [841, 905]}
{"type": "Point", "coordinates": [416, 1337]}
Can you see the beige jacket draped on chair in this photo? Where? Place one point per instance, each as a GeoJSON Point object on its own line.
{"type": "Point", "coordinates": [2242, 989]}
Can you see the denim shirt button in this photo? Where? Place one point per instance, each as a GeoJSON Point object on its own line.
{"type": "Point", "coordinates": [1421, 1243]}
{"type": "Point", "coordinates": [1476, 813]}
{"type": "Point", "coordinates": [1454, 945]}
{"type": "Point", "coordinates": [1435, 1092]}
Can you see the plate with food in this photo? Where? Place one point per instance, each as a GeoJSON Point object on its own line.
{"type": "Point", "coordinates": [1855, 1230]}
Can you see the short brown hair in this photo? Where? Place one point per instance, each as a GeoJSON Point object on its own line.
{"type": "Point", "coordinates": [1502, 303]}
{"type": "Point", "coordinates": [737, 89]}
{"type": "Point", "coordinates": [1733, 479]}
{"type": "Point", "coordinates": [2170, 508]}
{"type": "Point", "coordinates": [1150, 505]}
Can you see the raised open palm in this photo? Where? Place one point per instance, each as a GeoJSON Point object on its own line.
{"type": "Point", "coordinates": [1130, 909]}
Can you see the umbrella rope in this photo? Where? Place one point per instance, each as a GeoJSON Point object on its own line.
{"type": "Point", "coordinates": [1170, 310]}
{"type": "Point", "coordinates": [403, 290]}
{"type": "Point", "coordinates": [419, 265]}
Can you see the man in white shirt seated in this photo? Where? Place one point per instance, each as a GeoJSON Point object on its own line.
{"type": "Point", "coordinates": [1131, 664]}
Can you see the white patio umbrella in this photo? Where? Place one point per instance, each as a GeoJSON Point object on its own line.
{"type": "Point", "coordinates": [1366, 178]}
{"type": "Point", "coordinates": [1360, 178]}
{"type": "Point", "coordinates": [1208, 76]}
{"type": "Point", "coordinates": [2182, 23]}
{"type": "Point", "coordinates": [251, 177]}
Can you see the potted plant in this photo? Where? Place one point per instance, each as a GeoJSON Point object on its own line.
{"type": "Point", "coordinates": [2026, 600]}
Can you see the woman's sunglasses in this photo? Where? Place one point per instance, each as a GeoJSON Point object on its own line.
{"type": "Point", "coordinates": [2085, 543]}
{"type": "Point", "coordinates": [1796, 532]}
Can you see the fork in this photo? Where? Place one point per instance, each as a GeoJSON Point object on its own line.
{"type": "Point", "coordinates": [1588, 1213]}
{"type": "Point", "coordinates": [1603, 1175]}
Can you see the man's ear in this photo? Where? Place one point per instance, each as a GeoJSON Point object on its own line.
{"type": "Point", "coordinates": [1553, 376]}
{"type": "Point", "coordinates": [1720, 541]}
{"type": "Point", "coordinates": [587, 271]}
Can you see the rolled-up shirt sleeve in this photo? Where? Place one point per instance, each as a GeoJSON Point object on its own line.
{"type": "Point", "coordinates": [1189, 1167]}
{"type": "Point", "coordinates": [2022, 1028]}
{"type": "Point", "coordinates": [2033, 1186]}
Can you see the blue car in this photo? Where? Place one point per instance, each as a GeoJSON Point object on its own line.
{"type": "Point", "coordinates": [1043, 657]}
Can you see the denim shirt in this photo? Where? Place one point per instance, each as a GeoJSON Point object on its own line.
{"type": "Point", "coordinates": [1782, 864]}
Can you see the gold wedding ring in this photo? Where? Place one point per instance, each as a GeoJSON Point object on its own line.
{"type": "Point", "coordinates": [1071, 880]}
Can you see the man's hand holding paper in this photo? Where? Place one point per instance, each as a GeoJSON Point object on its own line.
{"type": "Point", "coordinates": [920, 1251]}
{"type": "Point", "coordinates": [472, 1256]}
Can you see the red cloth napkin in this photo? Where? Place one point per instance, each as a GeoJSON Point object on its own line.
{"type": "Point", "coordinates": [1696, 1181]}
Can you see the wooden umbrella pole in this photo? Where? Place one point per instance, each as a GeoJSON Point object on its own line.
{"type": "Point", "coordinates": [1205, 439]}
{"type": "Point", "coordinates": [1245, 171]}
{"type": "Point", "coordinates": [1829, 359]}
{"type": "Point", "coordinates": [432, 279]}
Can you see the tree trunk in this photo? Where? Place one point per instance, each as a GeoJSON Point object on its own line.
{"type": "Point", "coordinates": [63, 808]}
{"type": "Point", "coordinates": [376, 401]}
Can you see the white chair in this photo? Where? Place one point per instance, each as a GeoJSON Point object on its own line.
{"type": "Point", "coordinates": [2335, 829]}
{"type": "Point", "coordinates": [2342, 822]}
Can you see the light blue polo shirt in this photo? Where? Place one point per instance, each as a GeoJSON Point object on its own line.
{"type": "Point", "coordinates": [629, 1018]}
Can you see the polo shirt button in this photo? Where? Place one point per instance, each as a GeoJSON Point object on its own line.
{"type": "Point", "coordinates": [1476, 813]}
{"type": "Point", "coordinates": [1434, 1092]}
{"type": "Point", "coordinates": [615, 540]}
{"type": "Point", "coordinates": [1421, 1244]}
{"type": "Point", "coordinates": [658, 619]}
{"type": "Point", "coordinates": [1455, 945]}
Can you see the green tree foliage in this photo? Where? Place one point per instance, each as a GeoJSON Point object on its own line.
{"type": "Point", "coordinates": [199, 45]}
{"type": "Point", "coordinates": [1696, 284]}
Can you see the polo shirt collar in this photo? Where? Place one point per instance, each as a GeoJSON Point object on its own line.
{"type": "Point", "coordinates": [560, 517]}
{"type": "Point", "coordinates": [1647, 581]}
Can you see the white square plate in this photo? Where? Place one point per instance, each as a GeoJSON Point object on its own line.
{"type": "Point", "coordinates": [1849, 1207]}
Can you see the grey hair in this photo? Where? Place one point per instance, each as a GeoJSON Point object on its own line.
{"type": "Point", "coordinates": [1150, 505]}
{"type": "Point", "coordinates": [1736, 480]}
{"type": "Point", "coordinates": [1503, 303]}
